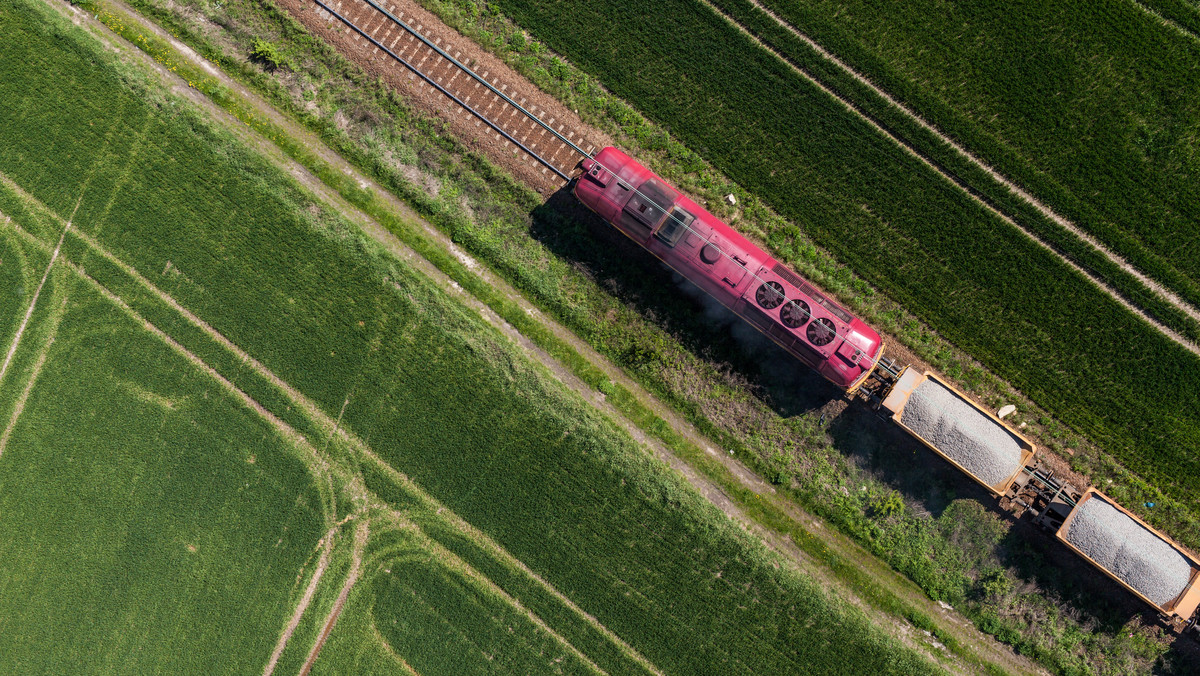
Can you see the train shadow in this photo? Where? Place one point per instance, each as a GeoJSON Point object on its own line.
{"type": "Point", "coordinates": [704, 327]}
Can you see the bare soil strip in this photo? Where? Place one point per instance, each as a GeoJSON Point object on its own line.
{"type": "Point", "coordinates": [360, 543]}
{"type": "Point", "coordinates": [1015, 189]}
{"type": "Point", "coordinates": [1127, 304]}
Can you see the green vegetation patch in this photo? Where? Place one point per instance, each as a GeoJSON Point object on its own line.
{"type": "Point", "coordinates": [151, 522]}
{"type": "Point", "coordinates": [1086, 104]}
{"type": "Point", "coordinates": [446, 621]}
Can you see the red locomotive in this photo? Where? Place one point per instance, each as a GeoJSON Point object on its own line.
{"type": "Point", "coordinates": [786, 308]}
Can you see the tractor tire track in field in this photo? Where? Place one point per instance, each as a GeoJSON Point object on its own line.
{"type": "Point", "coordinates": [19, 408]}
{"type": "Point", "coordinates": [1042, 208]}
{"type": "Point", "coordinates": [455, 563]}
{"type": "Point", "coordinates": [319, 416]}
{"type": "Point", "coordinates": [959, 627]}
{"type": "Point", "coordinates": [322, 563]}
{"type": "Point", "coordinates": [12, 349]}
{"type": "Point", "coordinates": [326, 545]}
{"type": "Point", "coordinates": [958, 183]}
{"type": "Point", "coordinates": [387, 647]}
{"type": "Point", "coordinates": [361, 533]}
{"type": "Point", "coordinates": [492, 547]}
{"type": "Point", "coordinates": [1177, 27]}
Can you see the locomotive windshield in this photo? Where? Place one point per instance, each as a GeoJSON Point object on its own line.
{"type": "Point", "coordinates": [675, 227]}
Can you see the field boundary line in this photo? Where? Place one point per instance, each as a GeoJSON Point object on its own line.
{"type": "Point", "coordinates": [1169, 23]}
{"type": "Point", "coordinates": [1099, 283]}
{"type": "Point", "coordinates": [1153, 285]}
{"type": "Point", "coordinates": [361, 533]}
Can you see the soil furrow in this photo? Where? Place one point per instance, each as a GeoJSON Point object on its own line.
{"type": "Point", "coordinates": [309, 592]}
{"type": "Point", "coordinates": [360, 543]}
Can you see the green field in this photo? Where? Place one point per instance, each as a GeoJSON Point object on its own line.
{"type": "Point", "coordinates": [982, 285]}
{"type": "Point", "coordinates": [151, 523]}
{"type": "Point", "coordinates": [610, 295]}
{"type": "Point", "coordinates": [1082, 103]}
{"type": "Point", "coordinates": [518, 486]}
{"type": "Point", "coordinates": [964, 171]}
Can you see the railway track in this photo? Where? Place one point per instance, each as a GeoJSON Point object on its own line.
{"type": "Point", "coordinates": [380, 27]}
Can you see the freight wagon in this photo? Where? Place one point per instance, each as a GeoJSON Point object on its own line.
{"type": "Point", "coordinates": [822, 334]}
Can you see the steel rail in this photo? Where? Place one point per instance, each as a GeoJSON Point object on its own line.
{"type": "Point", "coordinates": [443, 90]}
{"type": "Point", "coordinates": [478, 78]}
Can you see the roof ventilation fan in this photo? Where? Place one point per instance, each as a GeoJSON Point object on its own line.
{"type": "Point", "coordinates": [794, 314]}
{"type": "Point", "coordinates": [821, 332]}
{"type": "Point", "coordinates": [769, 295]}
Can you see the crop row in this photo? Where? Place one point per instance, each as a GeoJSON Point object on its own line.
{"type": "Point", "coordinates": [981, 284]}
{"type": "Point", "coordinates": [1082, 103]}
{"type": "Point", "coordinates": [432, 388]}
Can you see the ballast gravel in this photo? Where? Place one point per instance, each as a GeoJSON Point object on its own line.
{"type": "Point", "coordinates": [1128, 550]}
{"type": "Point", "coordinates": [965, 434]}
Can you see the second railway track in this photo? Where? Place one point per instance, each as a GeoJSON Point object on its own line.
{"type": "Point", "coordinates": [380, 28]}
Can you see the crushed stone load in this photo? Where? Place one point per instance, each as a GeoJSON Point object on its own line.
{"type": "Point", "coordinates": [965, 434]}
{"type": "Point", "coordinates": [1128, 550]}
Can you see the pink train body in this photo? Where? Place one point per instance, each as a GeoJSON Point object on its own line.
{"type": "Point", "coordinates": [785, 307]}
